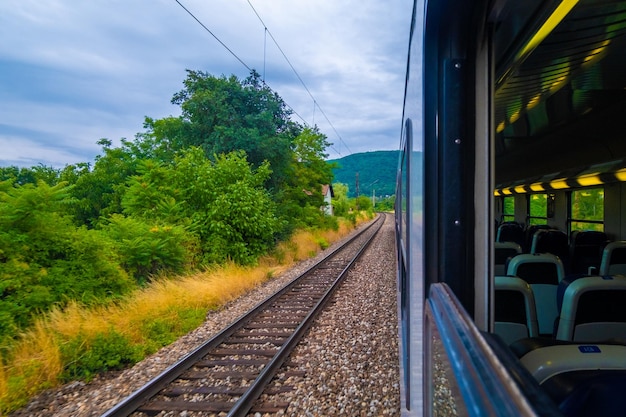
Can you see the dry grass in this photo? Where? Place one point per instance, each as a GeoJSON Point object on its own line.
{"type": "Point", "coordinates": [35, 361]}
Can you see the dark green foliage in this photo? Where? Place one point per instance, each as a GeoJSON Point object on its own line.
{"type": "Point", "coordinates": [222, 115]}
{"type": "Point", "coordinates": [85, 357]}
{"type": "Point", "coordinates": [386, 204]}
{"type": "Point", "coordinates": [98, 193]}
{"type": "Point", "coordinates": [165, 330]}
{"type": "Point", "coordinates": [46, 260]}
{"type": "Point", "coordinates": [301, 199]}
{"type": "Point", "coordinates": [221, 182]}
{"type": "Point", "coordinates": [225, 207]}
{"type": "Point", "coordinates": [146, 249]}
{"type": "Point", "coordinates": [230, 211]}
{"type": "Point", "coordinates": [377, 171]}
{"type": "Point", "coordinates": [22, 176]}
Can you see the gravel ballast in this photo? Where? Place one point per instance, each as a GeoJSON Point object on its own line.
{"type": "Point", "coordinates": [349, 357]}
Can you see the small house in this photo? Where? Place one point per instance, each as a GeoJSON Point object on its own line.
{"type": "Point", "coordinates": [328, 194]}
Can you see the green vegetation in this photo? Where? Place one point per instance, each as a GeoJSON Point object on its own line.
{"type": "Point", "coordinates": [587, 205]}
{"type": "Point", "coordinates": [78, 341]}
{"type": "Point", "coordinates": [86, 250]}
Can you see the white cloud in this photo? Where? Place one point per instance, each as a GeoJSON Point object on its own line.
{"type": "Point", "coordinates": [86, 70]}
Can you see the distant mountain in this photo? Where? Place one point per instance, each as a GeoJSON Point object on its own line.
{"type": "Point", "coordinates": [377, 172]}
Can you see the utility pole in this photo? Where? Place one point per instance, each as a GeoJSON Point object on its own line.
{"type": "Point", "coordinates": [373, 194]}
{"type": "Point", "coordinates": [357, 191]}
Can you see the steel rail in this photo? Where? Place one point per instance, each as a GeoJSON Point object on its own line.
{"type": "Point", "coordinates": [246, 400]}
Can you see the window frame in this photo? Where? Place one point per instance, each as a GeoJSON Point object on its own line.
{"type": "Point", "coordinates": [571, 220]}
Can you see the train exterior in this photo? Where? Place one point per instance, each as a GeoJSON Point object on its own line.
{"type": "Point", "coordinates": [510, 215]}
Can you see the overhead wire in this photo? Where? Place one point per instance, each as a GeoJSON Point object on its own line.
{"type": "Point", "coordinates": [267, 31]}
{"type": "Point", "coordinates": [236, 56]}
{"type": "Point", "coordinates": [299, 78]}
{"type": "Point", "coordinates": [215, 36]}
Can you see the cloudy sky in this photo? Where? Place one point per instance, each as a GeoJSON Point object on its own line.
{"type": "Point", "coordinates": [72, 72]}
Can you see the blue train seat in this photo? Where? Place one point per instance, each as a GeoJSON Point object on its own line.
{"type": "Point", "coordinates": [613, 259]}
{"type": "Point", "coordinates": [543, 272]}
{"type": "Point", "coordinates": [529, 235]}
{"type": "Point", "coordinates": [510, 232]}
{"type": "Point", "coordinates": [551, 241]}
{"type": "Point", "coordinates": [592, 309]}
{"type": "Point", "coordinates": [502, 252]}
{"type": "Point", "coordinates": [586, 250]}
{"type": "Point", "coordinates": [515, 311]}
{"type": "Point", "coordinates": [593, 392]}
{"type": "Point", "coordinates": [582, 379]}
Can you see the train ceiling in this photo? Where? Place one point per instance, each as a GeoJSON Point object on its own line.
{"type": "Point", "coordinates": [560, 94]}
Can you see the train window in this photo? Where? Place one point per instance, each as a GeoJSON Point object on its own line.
{"type": "Point", "coordinates": [587, 209]}
{"type": "Point", "coordinates": [537, 209]}
{"type": "Point", "coordinates": [508, 209]}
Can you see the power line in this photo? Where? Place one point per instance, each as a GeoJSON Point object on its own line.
{"type": "Point", "coordinates": [299, 78]}
{"type": "Point", "coordinates": [263, 80]}
{"type": "Point", "coordinates": [235, 55]}
{"type": "Point", "coordinates": [213, 34]}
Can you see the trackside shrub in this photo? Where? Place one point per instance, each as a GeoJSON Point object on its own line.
{"type": "Point", "coordinates": [86, 356]}
{"type": "Point", "coordinates": [45, 260]}
{"type": "Point", "coordinates": [147, 248]}
{"type": "Point", "coordinates": [77, 341]}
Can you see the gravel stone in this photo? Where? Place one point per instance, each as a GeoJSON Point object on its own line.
{"type": "Point", "coordinates": [350, 355]}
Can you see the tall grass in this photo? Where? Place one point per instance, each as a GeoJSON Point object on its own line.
{"type": "Point", "coordinates": [78, 342]}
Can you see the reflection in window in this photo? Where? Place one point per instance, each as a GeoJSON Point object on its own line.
{"type": "Point", "coordinates": [587, 209]}
{"type": "Point", "coordinates": [508, 209]}
{"type": "Point", "coordinates": [537, 209]}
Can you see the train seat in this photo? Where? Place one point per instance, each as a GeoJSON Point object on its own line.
{"type": "Point", "coordinates": [543, 272]}
{"type": "Point", "coordinates": [503, 251]}
{"type": "Point", "coordinates": [551, 241]}
{"type": "Point", "coordinates": [592, 309]}
{"type": "Point", "coordinates": [594, 392]}
{"type": "Point", "coordinates": [582, 379]}
{"type": "Point", "coordinates": [510, 232]}
{"type": "Point", "coordinates": [586, 250]}
{"type": "Point", "coordinates": [613, 259]}
{"type": "Point", "coordinates": [529, 235]}
{"type": "Point", "coordinates": [515, 311]}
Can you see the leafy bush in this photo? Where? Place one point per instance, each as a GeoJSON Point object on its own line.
{"type": "Point", "coordinates": [45, 260]}
{"type": "Point", "coordinates": [162, 331]}
{"type": "Point", "coordinates": [225, 206]}
{"type": "Point", "coordinates": [148, 248]}
{"type": "Point", "coordinates": [85, 357]}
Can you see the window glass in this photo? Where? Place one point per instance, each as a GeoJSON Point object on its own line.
{"type": "Point", "coordinates": [587, 209]}
{"type": "Point", "coordinates": [508, 209]}
{"type": "Point", "coordinates": [538, 209]}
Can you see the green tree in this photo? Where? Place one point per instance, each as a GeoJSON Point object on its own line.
{"type": "Point", "coordinates": [222, 115]}
{"type": "Point", "coordinates": [341, 204]}
{"type": "Point", "coordinates": [363, 202]}
{"type": "Point", "coordinates": [148, 247]}
{"type": "Point", "coordinates": [99, 192]}
{"type": "Point", "coordinates": [22, 176]}
{"type": "Point", "coordinates": [302, 200]}
{"type": "Point", "coordinates": [229, 208]}
{"type": "Point", "coordinates": [221, 201]}
{"type": "Point", "coordinates": [386, 203]}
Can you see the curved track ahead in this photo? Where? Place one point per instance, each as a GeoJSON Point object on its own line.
{"type": "Point", "coordinates": [229, 372]}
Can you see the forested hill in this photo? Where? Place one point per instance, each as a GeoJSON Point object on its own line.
{"type": "Point", "coordinates": [377, 171]}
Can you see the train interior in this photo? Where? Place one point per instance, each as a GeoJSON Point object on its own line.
{"type": "Point", "coordinates": [560, 246]}
{"type": "Point", "coordinates": [549, 129]}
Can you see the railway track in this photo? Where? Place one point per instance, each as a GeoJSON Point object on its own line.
{"type": "Point", "coordinates": [227, 374]}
